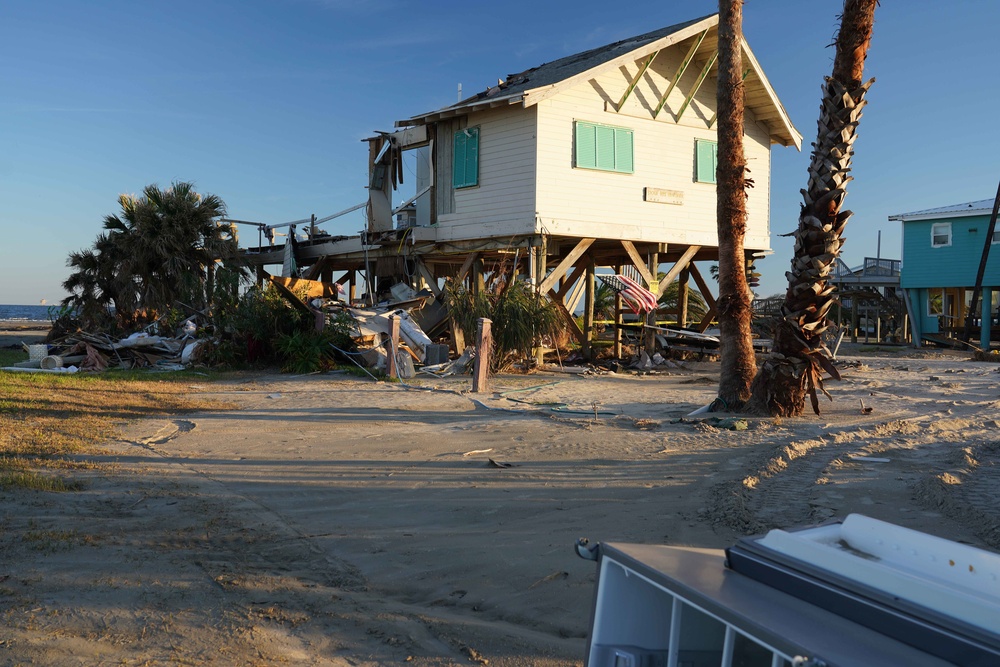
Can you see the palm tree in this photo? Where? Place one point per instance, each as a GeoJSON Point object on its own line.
{"type": "Point", "coordinates": [160, 249]}
{"type": "Point", "coordinates": [737, 362]}
{"type": "Point", "coordinates": [799, 357]}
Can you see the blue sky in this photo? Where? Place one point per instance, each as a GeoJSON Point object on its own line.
{"type": "Point", "coordinates": [265, 104]}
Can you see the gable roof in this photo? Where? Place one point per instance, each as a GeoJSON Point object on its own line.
{"type": "Point", "coordinates": [980, 207]}
{"type": "Point", "coordinates": [533, 85]}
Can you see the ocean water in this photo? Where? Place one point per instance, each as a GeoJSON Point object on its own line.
{"type": "Point", "coordinates": [26, 313]}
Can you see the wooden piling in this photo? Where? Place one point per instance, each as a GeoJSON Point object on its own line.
{"type": "Point", "coordinates": [391, 367]}
{"type": "Point", "coordinates": [484, 347]}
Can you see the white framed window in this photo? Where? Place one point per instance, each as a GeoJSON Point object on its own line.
{"type": "Point", "coordinates": [935, 302]}
{"type": "Point", "coordinates": [940, 234]}
{"type": "Point", "coordinates": [996, 237]}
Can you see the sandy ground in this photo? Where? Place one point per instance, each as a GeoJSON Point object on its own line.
{"type": "Point", "coordinates": [15, 332]}
{"type": "Point", "coordinates": [335, 521]}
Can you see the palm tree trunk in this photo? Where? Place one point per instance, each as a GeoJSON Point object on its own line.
{"type": "Point", "coordinates": [209, 285]}
{"type": "Point", "coordinates": [735, 346]}
{"type": "Point", "coordinates": [798, 359]}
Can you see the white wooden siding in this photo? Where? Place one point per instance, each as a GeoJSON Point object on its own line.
{"type": "Point", "coordinates": [585, 202]}
{"type": "Point", "coordinates": [503, 203]}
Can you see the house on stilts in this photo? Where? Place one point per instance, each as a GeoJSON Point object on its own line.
{"type": "Point", "coordinates": [943, 249]}
{"type": "Point", "coordinates": [606, 158]}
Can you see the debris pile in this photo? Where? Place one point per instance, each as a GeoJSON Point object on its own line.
{"type": "Point", "coordinates": [98, 352]}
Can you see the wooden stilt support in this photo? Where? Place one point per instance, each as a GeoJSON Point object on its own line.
{"type": "Point", "coordinates": [391, 367]}
{"type": "Point", "coordinates": [538, 262]}
{"type": "Point", "coordinates": [484, 348]}
{"type": "Point", "coordinates": [682, 298]}
{"type": "Point", "coordinates": [854, 319]}
{"type": "Point", "coordinates": [649, 335]}
{"type": "Point", "coordinates": [618, 320]}
{"type": "Point", "coordinates": [588, 310]}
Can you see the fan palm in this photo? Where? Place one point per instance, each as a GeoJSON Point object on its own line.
{"type": "Point", "coordinates": [161, 248]}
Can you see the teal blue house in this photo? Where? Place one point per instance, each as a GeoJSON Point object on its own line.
{"type": "Point", "coordinates": [942, 248]}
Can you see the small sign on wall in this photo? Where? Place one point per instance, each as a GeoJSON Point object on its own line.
{"type": "Point", "coordinates": [662, 196]}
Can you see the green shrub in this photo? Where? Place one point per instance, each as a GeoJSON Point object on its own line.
{"type": "Point", "coordinates": [520, 317]}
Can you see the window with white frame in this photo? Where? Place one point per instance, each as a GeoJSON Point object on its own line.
{"type": "Point", "coordinates": [935, 302]}
{"type": "Point", "coordinates": [940, 234]}
{"type": "Point", "coordinates": [996, 237]}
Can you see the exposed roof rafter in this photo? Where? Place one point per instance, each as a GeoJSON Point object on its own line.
{"type": "Point", "coordinates": [680, 72]}
{"type": "Point", "coordinates": [697, 85]}
{"type": "Point", "coordinates": [635, 79]}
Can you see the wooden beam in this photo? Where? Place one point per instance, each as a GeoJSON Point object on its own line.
{"type": "Point", "coordinates": [618, 320]}
{"type": "Point", "coordinates": [564, 265]}
{"type": "Point", "coordinates": [588, 310]}
{"type": "Point", "coordinates": [392, 363]}
{"type": "Point", "coordinates": [680, 71]}
{"type": "Point", "coordinates": [484, 347]}
{"type": "Point", "coordinates": [682, 298]}
{"type": "Point", "coordinates": [706, 321]}
{"type": "Point", "coordinates": [678, 267]}
{"type": "Point", "coordinates": [574, 297]}
{"type": "Point", "coordinates": [638, 262]}
{"type": "Point", "coordinates": [635, 80]}
{"type": "Point", "coordinates": [574, 328]}
{"type": "Point", "coordinates": [428, 277]}
{"type": "Point", "coordinates": [654, 287]}
{"type": "Point", "coordinates": [571, 279]}
{"type": "Point", "coordinates": [466, 265]}
{"type": "Point", "coordinates": [702, 285]}
{"type": "Point", "coordinates": [697, 84]}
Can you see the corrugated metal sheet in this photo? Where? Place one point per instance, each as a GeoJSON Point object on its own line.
{"type": "Point", "coordinates": [968, 208]}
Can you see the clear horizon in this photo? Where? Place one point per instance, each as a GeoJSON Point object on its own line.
{"type": "Point", "coordinates": [265, 105]}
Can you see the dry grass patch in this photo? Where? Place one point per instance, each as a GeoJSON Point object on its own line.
{"type": "Point", "coordinates": [46, 419]}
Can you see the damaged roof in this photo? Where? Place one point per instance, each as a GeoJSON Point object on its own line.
{"type": "Point", "coordinates": [533, 85]}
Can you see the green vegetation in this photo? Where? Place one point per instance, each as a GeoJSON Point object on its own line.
{"type": "Point", "coordinates": [163, 250]}
{"type": "Point", "coordinates": [260, 328]}
{"type": "Point", "coordinates": [520, 318]}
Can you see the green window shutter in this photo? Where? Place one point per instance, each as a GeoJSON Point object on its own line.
{"type": "Point", "coordinates": [623, 150]}
{"type": "Point", "coordinates": [465, 165]}
{"type": "Point", "coordinates": [603, 147]}
{"type": "Point", "coordinates": [586, 146]}
{"type": "Point", "coordinates": [706, 160]}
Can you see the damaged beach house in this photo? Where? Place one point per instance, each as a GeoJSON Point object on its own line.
{"type": "Point", "coordinates": [599, 163]}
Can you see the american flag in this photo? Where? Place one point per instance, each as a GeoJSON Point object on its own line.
{"type": "Point", "coordinates": [637, 297]}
